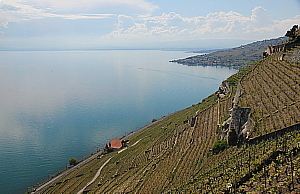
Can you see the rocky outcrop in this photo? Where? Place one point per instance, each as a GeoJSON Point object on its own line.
{"type": "Point", "coordinates": [239, 118]}
{"type": "Point", "coordinates": [237, 126]}
{"type": "Point", "coordinates": [223, 90]}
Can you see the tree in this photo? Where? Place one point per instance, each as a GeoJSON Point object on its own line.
{"type": "Point", "coordinates": [292, 32]}
{"type": "Point", "coordinates": [73, 161]}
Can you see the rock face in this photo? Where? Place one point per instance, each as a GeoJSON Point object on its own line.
{"type": "Point", "coordinates": [239, 123]}
{"type": "Point", "coordinates": [223, 90]}
{"type": "Point", "coordinates": [236, 128]}
{"type": "Point", "coordinates": [239, 117]}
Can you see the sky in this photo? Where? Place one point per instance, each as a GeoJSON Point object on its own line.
{"type": "Point", "coordinates": [142, 24]}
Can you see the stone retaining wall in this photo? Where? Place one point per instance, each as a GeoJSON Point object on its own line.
{"type": "Point", "coordinates": [274, 134]}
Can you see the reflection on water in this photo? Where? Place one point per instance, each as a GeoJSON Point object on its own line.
{"type": "Point", "coordinates": [58, 105]}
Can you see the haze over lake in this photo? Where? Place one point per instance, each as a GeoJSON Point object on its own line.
{"type": "Point", "coordinates": [56, 105]}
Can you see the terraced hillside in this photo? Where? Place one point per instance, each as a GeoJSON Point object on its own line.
{"type": "Point", "coordinates": [174, 155]}
{"type": "Point", "coordinates": [270, 161]}
{"type": "Point", "coordinates": [166, 155]}
{"type": "Point", "coordinates": [272, 89]}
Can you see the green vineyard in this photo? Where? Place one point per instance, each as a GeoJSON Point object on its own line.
{"type": "Point", "coordinates": [175, 154]}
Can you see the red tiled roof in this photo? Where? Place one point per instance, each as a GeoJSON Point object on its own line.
{"type": "Point", "coordinates": [116, 143]}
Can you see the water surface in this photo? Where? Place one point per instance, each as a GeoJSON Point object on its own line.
{"type": "Point", "coordinates": [64, 104]}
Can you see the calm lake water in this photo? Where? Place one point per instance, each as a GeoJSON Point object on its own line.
{"type": "Point", "coordinates": [64, 104]}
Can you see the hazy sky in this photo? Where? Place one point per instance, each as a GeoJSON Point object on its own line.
{"type": "Point", "coordinates": [88, 24]}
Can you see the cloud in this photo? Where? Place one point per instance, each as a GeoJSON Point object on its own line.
{"type": "Point", "coordinates": [97, 6]}
{"type": "Point", "coordinates": [22, 10]}
{"type": "Point", "coordinates": [125, 22]}
{"type": "Point", "coordinates": [4, 24]}
{"type": "Point", "coordinates": [214, 25]}
{"type": "Point", "coordinates": [26, 12]}
{"type": "Point", "coordinates": [260, 17]}
{"type": "Point", "coordinates": [109, 22]}
{"type": "Point", "coordinates": [9, 7]}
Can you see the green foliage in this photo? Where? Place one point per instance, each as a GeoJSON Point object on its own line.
{"type": "Point", "coordinates": [292, 32]}
{"type": "Point", "coordinates": [73, 161]}
{"type": "Point", "coordinates": [153, 120]}
{"type": "Point", "coordinates": [220, 146]}
{"type": "Point", "coordinates": [234, 79]}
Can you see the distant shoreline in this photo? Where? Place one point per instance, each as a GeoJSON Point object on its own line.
{"type": "Point", "coordinates": [189, 50]}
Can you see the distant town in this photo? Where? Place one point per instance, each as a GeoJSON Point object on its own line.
{"type": "Point", "coordinates": [237, 57]}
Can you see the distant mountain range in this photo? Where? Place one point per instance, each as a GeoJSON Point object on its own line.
{"type": "Point", "coordinates": [237, 57]}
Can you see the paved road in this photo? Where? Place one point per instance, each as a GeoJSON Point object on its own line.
{"type": "Point", "coordinates": [44, 186]}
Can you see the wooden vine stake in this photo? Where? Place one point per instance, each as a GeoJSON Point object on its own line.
{"type": "Point", "coordinates": [249, 162]}
{"type": "Point", "coordinates": [292, 169]}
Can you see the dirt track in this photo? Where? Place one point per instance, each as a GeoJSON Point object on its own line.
{"type": "Point", "coordinates": [45, 185]}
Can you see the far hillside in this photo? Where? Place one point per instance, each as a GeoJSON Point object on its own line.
{"type": "Point", "coordinates": [237, 57]}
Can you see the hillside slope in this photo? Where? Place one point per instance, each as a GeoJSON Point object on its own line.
{"type": "Point", "coordinates": [237, 57]}
{"type": "Point", "coordinates": [269, 160]}
{"type": "Point", "coordinates": [175, 154]}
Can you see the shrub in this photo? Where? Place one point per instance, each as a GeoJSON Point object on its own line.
{"type": "Point", "coordinates": [219, 146]}
{"type": "Point", "coordinates": [73, 161]}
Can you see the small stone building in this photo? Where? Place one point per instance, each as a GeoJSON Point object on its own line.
{"type": "Point", "coordinates": [114, 144]}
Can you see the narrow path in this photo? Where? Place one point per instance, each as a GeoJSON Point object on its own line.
{"type": "Point", "coordinates": [95, 177]}
{"type": "Point", "coordinates": [218, 121]}
{"type": "Point", "coordinates": [103, 165]}
{"type": "Point", "coordinates": [137, 142]}
{"type": "Point", "coordinates": [53, 180]}
{"type": "Point", "coordinates": [45, 185]}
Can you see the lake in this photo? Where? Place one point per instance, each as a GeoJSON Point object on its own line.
{"type": "Point", "coordinates": [57, 105]}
